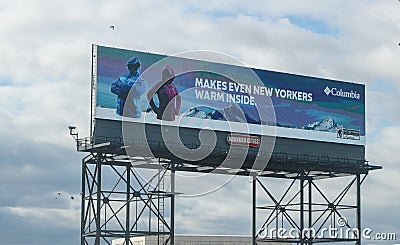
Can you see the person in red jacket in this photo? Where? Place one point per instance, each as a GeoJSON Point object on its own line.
{"type": "Point", "coordinates": [168, 96]}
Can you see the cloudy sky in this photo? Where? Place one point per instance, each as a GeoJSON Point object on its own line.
{"type": "Point", "coordinates": [45, 86]}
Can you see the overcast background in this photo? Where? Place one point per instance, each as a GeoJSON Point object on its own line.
{"type": "Point", "coordinates": [45, 64]}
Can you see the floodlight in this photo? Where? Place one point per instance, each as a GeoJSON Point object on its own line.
{"type": "Point", "coordinates": [72, 133]}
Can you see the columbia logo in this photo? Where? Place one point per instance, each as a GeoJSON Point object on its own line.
{"type": "Point", "coordinates": [327, 90]}
{"type": "Point", "coordinates": [340, 93]}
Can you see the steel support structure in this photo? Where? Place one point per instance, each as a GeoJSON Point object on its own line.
{"type": "Point", "coordinates": [120, 202]}
{"type": "Point", "coordinates": [306, 212]}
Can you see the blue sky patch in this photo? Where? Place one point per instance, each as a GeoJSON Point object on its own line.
{"type": "Point", "coordinates": [5, 82]}
{"type": "Point", "coordinates": [313, 25]}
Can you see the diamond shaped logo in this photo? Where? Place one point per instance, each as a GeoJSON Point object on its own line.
{"type": "Point", "coordinates": [327, 90]}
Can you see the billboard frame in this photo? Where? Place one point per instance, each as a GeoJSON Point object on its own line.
{"type": "Point", "coordinates": [93, 94]}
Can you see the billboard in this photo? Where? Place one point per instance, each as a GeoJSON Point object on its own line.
{"type": "Point", "coordinates": [141, 87]}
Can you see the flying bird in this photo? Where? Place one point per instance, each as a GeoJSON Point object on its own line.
{"type": "Point", "coordinates": [58, 195]}
{"type": "Point", "coordinates": [112, 27]}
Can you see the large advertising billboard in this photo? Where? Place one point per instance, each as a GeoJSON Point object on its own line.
{"type": "Point", "coordinates": [142, 87]}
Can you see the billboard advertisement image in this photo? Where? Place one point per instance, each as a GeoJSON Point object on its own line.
{"type": "Point", "coordinates": [157, 89]}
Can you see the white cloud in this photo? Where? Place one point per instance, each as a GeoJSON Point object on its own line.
{"type": "Point", "coordinates": [61, 218]}
{"type": "Point", "coordinates": [384, 152]}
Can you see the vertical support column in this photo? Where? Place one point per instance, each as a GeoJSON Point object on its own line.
{"type": "Point", "coordinates": [172, 231]}
{"type": "Point", "coordinates": [98, 198]}
{"type": "Point", "coordinates": [254, 223]}
{"type": "Point", "coordinates": [302, 233]}
{"type": "Point", "coordinates": [359, 208]}
{"type": "Point", "coordinates": [83, 194]}
{"type": "Point", "coordinates": [158, 204]}
{"type": "Point", "coordinates": [128, 206]}
{"type": "Point", "coordinates": [310, 210]}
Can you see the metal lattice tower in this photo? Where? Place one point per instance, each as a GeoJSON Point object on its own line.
{"type": "Point", "coordinates": [119, 202]}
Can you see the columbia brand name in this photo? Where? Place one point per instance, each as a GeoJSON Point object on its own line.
{"type": "Point", "coordinates": [340, 93]}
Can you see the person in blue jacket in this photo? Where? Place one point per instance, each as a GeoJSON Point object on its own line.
{"type": "Point", "coordinates": [129, 87]}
